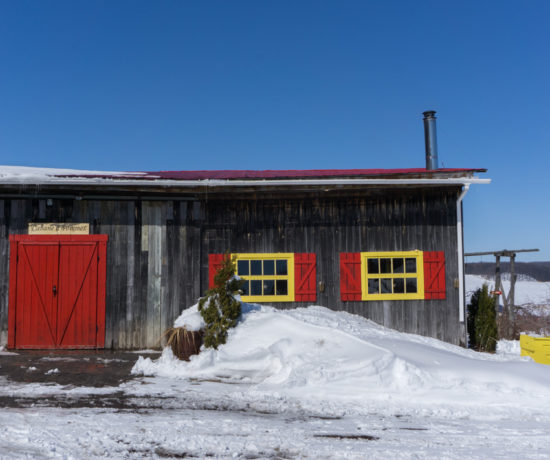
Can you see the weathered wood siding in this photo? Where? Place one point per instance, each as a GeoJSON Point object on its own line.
{"type": "Point", "coordinates": [328, 226]}
{"type": "Point", "coordinates": [158, 249]}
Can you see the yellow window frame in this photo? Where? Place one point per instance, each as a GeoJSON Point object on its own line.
{"type": "Point", "coordinates": [419, 275]}
{"type": "Point", "coordinates": [289, 277]}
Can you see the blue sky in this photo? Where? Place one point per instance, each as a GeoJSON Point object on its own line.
{"type": "Point", "coordinates": [133, 85]}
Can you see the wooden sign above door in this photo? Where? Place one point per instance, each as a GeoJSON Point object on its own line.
{"type": "Point", "coordinates": [54, 228]}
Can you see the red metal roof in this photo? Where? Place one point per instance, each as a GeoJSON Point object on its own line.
{"type": "Point", "coordinates": [289, 174]}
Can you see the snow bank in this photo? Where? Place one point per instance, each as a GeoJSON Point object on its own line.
{"type": "Point", "coordinates": [318, 353]}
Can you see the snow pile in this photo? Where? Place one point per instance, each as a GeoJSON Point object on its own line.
{"type": "Point", "coordinates": [321, 354]}
{"type": "Point", "coordinates": [190, 319]}
{"type": "Point", "coordinates": [508, 347]}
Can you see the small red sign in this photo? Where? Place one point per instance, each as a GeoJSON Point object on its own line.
{"type": "Point", "coordinates": [496, 292]}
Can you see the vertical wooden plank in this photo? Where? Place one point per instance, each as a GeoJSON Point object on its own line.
{"type": "Point", "coordinates": [13, 293]}
{"type": "Point", "coordinates": [166, 316]}
{"type": "Point", "coordinates": [152, 225]}
{"type": "Point", "coordinates": [130, 263]}
{"type": "Point", "coordinates": [175, 259]}
{"type": "Point", "coordinates": [140, 280]}
{"type": "Point", "coordinates": [105, 223]}
{"type": "Point", "coordinates": [5, 255]}
{"type": "Point", "coordinates": [101, 292]}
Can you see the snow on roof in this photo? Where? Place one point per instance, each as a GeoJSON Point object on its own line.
{"type": "Point", "coordinates": [32, 175]}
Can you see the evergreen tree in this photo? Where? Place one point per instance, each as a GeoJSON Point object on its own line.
{"type": "Point", "coordinates": [473, 308]}
{"type": "Point", "coordinates": [219, 308]}
{"type": "Point", "coordinates": [482, 321]}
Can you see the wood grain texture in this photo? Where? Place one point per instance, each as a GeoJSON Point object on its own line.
{"type": "Point", "coordinates": [157, 252]}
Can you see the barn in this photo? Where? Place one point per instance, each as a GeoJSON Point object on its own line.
{"type": "Point", "coordinates": [109, 260]}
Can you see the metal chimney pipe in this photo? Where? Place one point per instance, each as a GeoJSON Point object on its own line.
{"type": "Point", "coordinates": [430, 137]}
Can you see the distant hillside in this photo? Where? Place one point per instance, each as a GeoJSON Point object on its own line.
{"type": "Point", "coordinates": [537, 270]}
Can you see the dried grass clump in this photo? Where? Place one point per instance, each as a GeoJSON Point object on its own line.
{"type": "Point", "coordinates": [184, 343]}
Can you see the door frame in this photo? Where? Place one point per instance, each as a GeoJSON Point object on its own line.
{"type": "Point", "coordinates": [101, 276]}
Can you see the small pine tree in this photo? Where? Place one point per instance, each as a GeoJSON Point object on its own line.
{"type": "Point", "coordinates": [219, 308]}
{"type": "Point", "coordinates": [473, 308]}
{"type": "Point", "coordinates": [482, 321]}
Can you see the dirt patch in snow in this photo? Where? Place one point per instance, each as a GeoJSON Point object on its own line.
{"type": "Point", "coordinates": [76, 368]}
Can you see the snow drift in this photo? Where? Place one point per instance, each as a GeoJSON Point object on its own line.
{"type": "Point", "coordinates": [321, 354]}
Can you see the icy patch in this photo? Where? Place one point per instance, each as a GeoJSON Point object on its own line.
{"type": "Point", "coordinates": [4, 352]}
{"type": "Point", "coordinates": [52, 371]}
{"type": "Point", "coordinates": [61, 358]}
{"type": "Point", "coordinates": [145, 352]}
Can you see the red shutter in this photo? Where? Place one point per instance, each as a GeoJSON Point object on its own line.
{"type": "Point", "coordinates": [215, 261]}
{"type": "Point", "coordinates": [350, 275]}
{"type": "Point", "coordinates": [434, 275]}
{"type": "Point", "coordinates": [305, 277]}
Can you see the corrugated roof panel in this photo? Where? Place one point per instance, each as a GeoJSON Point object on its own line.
{"type": "Point", "coordinates": [282, 174]}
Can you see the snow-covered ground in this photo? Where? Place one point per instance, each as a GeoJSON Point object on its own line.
{"type": "Point", "coordinates": [304, 383]}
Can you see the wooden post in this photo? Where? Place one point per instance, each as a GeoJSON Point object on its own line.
{"type": "Point", "coordinates": [511, 302]}
{"type": "Point", "coordinates": [508, 300]}
{"type": "Point", "coordinates": [498, 285]}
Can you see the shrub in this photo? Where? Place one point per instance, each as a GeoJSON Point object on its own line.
{"type": "Point", "coordinates": [219, 308]}
{"type": "Point", "coordinates": [482, 321]}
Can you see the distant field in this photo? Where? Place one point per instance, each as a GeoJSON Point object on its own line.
{"type": "Point", "coordinates": [539, 271]}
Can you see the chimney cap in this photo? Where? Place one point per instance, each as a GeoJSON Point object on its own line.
{"type": "Point", "coordinates": [429, 114]}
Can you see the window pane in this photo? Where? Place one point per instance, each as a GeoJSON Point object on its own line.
{"type": "Point", "coordinates": [255, 267]}
{"type": "Point", "coordinates": [256, 287]}
{"type": "Point", "coordinates": [397, 265]}
{"type": "Point", "coordinates": [242, 267]}
{"type": "Point", "coordinates": [386, 286]}
{"type": "Point", "coordinates": [282, 287]}
{"type": "Point", "coordinates": [372, 266]}
{"type": "Point", "coordinates": [410, 265]}
{"type": "Point", "coordinates": [385, 265]}
{"type": "Point", "coordinates": [411, 285]}
{"type": "Point", "coordinates": [269, 287]}
{"type": "Point", "coordinates": [269, 267]}
{"type": "Point", "coordinates": [398, 285]}
{"type": "Point", "coordinates": [281, 267]}
{"type": "Point", "coordinates": [374, 286]}
{"type": "Point", "coordinates": [246, 288]}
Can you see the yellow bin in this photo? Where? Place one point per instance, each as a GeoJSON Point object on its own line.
{"type": "Point", "coordinates": [537, 348]}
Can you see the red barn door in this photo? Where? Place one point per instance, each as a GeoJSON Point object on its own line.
{"type": "Point", "coordinates": [57, 291]}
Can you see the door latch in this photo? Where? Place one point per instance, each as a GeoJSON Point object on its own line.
{"type": "Point", "coordinates": [54, 290]}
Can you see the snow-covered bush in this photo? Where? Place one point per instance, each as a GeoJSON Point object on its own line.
{"type": "Point", "coordinates": [219, 307]}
